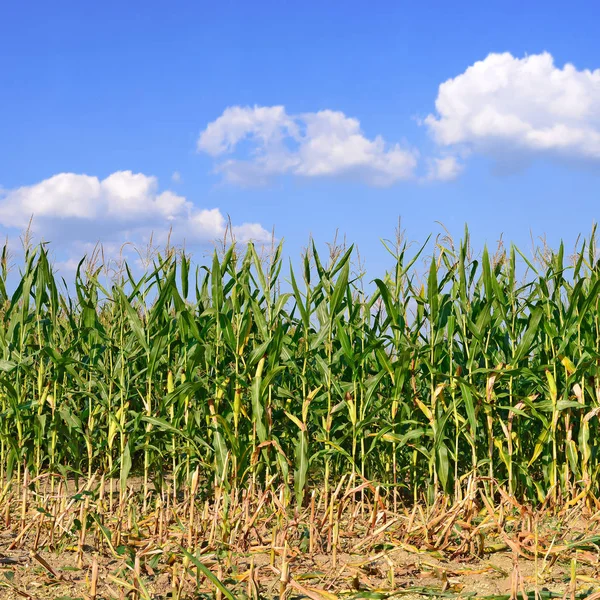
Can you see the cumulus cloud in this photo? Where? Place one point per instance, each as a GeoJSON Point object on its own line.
{"type": "Point", "coordinates": [444, 169]}
{"type": "Point", "coordinates": [124, 206]}
{"type": "Point", "coordinates": [503, 105]}
{"type": "Point", "coordinates": [317, 144]}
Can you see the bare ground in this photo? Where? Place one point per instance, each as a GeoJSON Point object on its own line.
{"type": "Point", "coordinates": [449, 551]}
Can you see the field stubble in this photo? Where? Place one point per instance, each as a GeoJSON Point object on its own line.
{"type": "Point", "coordinates": [59, 541]}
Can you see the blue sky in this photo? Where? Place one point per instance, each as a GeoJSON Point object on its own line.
{"type": "Point", "coordinates": [122, 92]}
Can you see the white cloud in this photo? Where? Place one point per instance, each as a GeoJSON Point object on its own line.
{"type": "Point", "coordinates": [267, 124]}
{"type": "Point", "coordinates": [503, 105]}
{"type": "Point", "coordinates": [176, 177]}
{"type": "Point", "coordinates": [324, 143]}
{"type": "Point", "coordinates": [124, 206]}
{"type": "Point", "coordinates": [443, 169]}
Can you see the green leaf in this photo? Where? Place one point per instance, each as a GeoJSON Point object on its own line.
{"type": "Point", "coordinates": [208, 574]}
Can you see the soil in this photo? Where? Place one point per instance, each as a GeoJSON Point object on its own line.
{"type": "Point", "coordinates": [23, 575]}
{"type": "Point", "coordinates": [441, 552]}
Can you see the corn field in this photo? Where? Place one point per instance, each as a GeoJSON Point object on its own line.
{"type": "Point", "coordinates": [249, 372]}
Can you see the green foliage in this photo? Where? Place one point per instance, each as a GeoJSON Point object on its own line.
{"type": "Point", "coordinates": [417, 386]}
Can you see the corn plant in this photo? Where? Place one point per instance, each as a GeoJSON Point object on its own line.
{"type": "Point", "coordinates": [448, 369]}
